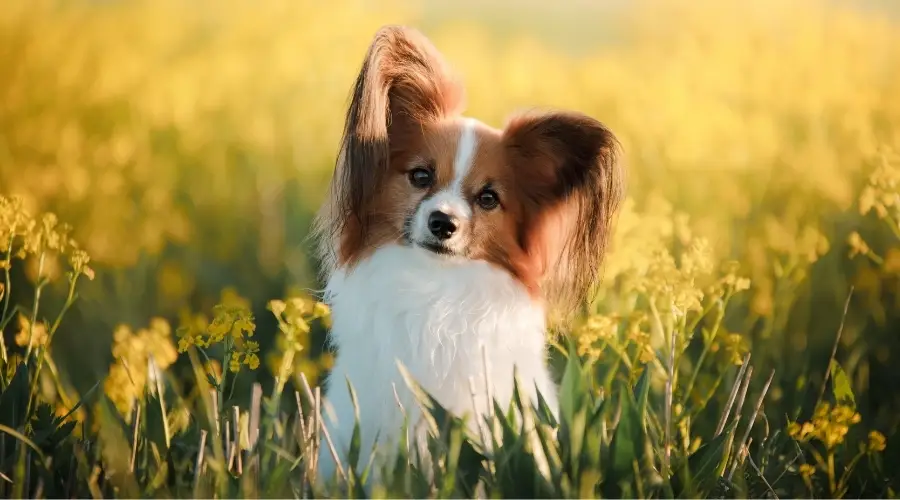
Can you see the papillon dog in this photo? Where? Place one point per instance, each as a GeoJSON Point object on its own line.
{"type": "Point", "coordinates": [445, 241]}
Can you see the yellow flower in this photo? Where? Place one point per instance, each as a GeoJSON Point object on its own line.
{"type": "Point", "coordinates": [277, 307]}
{"type": "Point", "coordinates": [79, 260]}
{"type": "Point", "coordinates": [807, 471]}
{"type": "Point", "coordinates": [36, 333]}
{"type": "Point", "coordinates": [597, 328]}
{"type": "Point", "coordinates": [828, 426]}
{"type": "Point", "coordinates": [232, 317]}
{"type": "Point", "coordinates": [882, 192]}
{"type": "Point", "coordinates": [235, 363]}
{"type": "Point", "coordinates": [877, 442]}
{"type": "Point", "coordinates": [252, 361]}
{"type": "Point", "coordinates": [132, 351]}
{"type": "Point", "coordinates": [857, 245]}
{"type": "Point", "coordinates": [807, 429]}
{"type": "Point", "coordinates": [321, 310]}
{"type": "Point", "coordinates": [735, 347]}
{"type": "Point", "coordinates": [834, 435]}
{"type": "Point", "coordinates": [295, 317]}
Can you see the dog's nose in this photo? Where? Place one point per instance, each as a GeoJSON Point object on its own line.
{"type": "Point", "coordinates": [441, 225]}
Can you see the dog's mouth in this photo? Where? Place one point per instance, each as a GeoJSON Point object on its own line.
{"type": "Point", "coordinates": [436, 248]}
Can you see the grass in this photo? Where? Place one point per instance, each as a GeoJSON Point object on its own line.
{"type": "Point", "coordinates": [619, 433]}
{"type": "Point", "coordinates": [742, 344]}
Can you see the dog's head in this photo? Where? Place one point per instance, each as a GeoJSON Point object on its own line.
{"type": "Point", "coordinates": [535, 198]}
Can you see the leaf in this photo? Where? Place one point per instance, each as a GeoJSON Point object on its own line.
{"type": "Point", "coordinates": [434, 415]}
{"type": "Point", "coordinates": [14, 398]}
{"type": "Point", "coordinates": [544, 413]}
{"type": "Point", "coordinates": [552, 453]}
{"type": "Point", "coordinates": [627, 443]}
{"type": "Point", "coordinates": [451, 463]}
{"type": "Point", "coordinates": [517, 474]}
{"type": "Point", "coordinates": [276, 479]}
{"type": "Point", "coordinates": [364, 475]}
{"type": "Point", "coordinates": [355, 439]}
{"type": "Point", "coordinates": [840, 385]}
{"type": "Point", "coordinates": [592, 445]}
{"type": "Point", "coordinates": [21, 437]}
{"type": "Point", "coordinates": [701, 473]}
{"type": "Point", "coordinates": [572, 387]}
{"type": "Point", "coordinates": [642, 393]}
{"type": "Point", "coordinates": [440, 423]}
{"type": "Point", "coordinates": [399, 475]}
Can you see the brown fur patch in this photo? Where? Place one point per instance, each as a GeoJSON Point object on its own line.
{"type": "Point", "coordinates": [571, 184]}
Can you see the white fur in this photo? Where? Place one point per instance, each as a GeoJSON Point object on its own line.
{"type": "Point", "coordinates": [465, 153]}
{"type": "Point", "coordinates": [432, 314]}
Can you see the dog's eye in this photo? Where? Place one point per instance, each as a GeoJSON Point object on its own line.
{"type": "Point", "coordinates": [487, 199]}
{"type": "Point", "coordinates": [421, 178]}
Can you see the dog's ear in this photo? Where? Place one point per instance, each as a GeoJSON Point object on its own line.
{"type": "Point", "coordinates": [404, 83]}
{"type": "Point", "coordinates": [567, 169]}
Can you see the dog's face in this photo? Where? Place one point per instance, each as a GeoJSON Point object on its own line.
{"type": "Point", "coordinates": [535, 198]}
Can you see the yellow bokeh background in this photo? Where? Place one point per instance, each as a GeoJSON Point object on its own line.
{"type": "Point", "coordinates": [189, 143]}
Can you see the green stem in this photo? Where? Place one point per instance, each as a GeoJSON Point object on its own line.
{"type": "Point", "coordinates": [226, 360]}
{"type": "Point", "coordinates": [619, 353]}
{"type": "Point", "coordinates": [831, 482]}
{"type": "Point", "coordinates": [286, 364]}
{"type": "Point", "coordinates": [700, 316]}
{"type": "Point", "coordinates": [693, 379]}
{"type": "Point", "coordinates": [42, 351]}
{"type": "Point", "coordinates": [34, 310]}
{"type": "Point", "coordinates": [659, 323]}
{"type": "Point", "coordinates": [895, 227]}
{"type": "Point", "coordinates": [849, 469]}
{"type": "Point", "coordinates": [6, 294]}
{"type": "Point", "coordinates": [875, 258]}
{"type": "Point", "coordinates": [160, 392]}
{"type": "Point", "coordinates": [707, 345]}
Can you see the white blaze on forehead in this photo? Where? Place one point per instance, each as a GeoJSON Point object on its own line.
{"type": "Point", "coordinates": [451, 200]}
{"type": "Point", "coordinates": [465, 153]}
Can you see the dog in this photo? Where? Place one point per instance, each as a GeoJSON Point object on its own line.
{"type": "Point", "coordinates": [444, 241]}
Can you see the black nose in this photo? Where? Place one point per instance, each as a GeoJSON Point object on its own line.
{"type": "Point", "coordinates": [441, 225]}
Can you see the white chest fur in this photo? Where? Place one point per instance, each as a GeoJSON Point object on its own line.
{"type": "Point", "coordinates": [433, 315]}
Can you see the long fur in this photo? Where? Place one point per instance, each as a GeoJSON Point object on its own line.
{"type": "Point", "coordinates": [572, 166]}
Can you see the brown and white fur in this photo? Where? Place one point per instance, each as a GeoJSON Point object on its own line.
{"type": "Point", "coordinates": [442, 235]}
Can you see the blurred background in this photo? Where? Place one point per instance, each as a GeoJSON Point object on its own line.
{"type": "Point", "coordinates": [189, 143]}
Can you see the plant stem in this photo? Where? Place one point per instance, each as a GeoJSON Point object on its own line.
{"type": "Point", "coordinates": [281, 377]}
{"type": "Point", "coordinates": [831, 483]}
{"type": "Point", "coordinates": [670, 389]}
{"type": "Point", "coordinates": [707, 345]}
{"type": "Point", "coordinates": [6, 294]}
{"type": "Point", "coordinates": [226, 360]}
{"type": "Point", "coordinates": [42, 351]}
{"type": "Point", "coordinates": [7, 279]}
{"type": "Point", "coordinates": [34, 310]}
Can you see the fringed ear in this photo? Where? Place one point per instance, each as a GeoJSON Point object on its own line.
{"type": "Point", "coordinates": [567, 166]}
{"type": "Point", "coordinates": [404, 83]}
